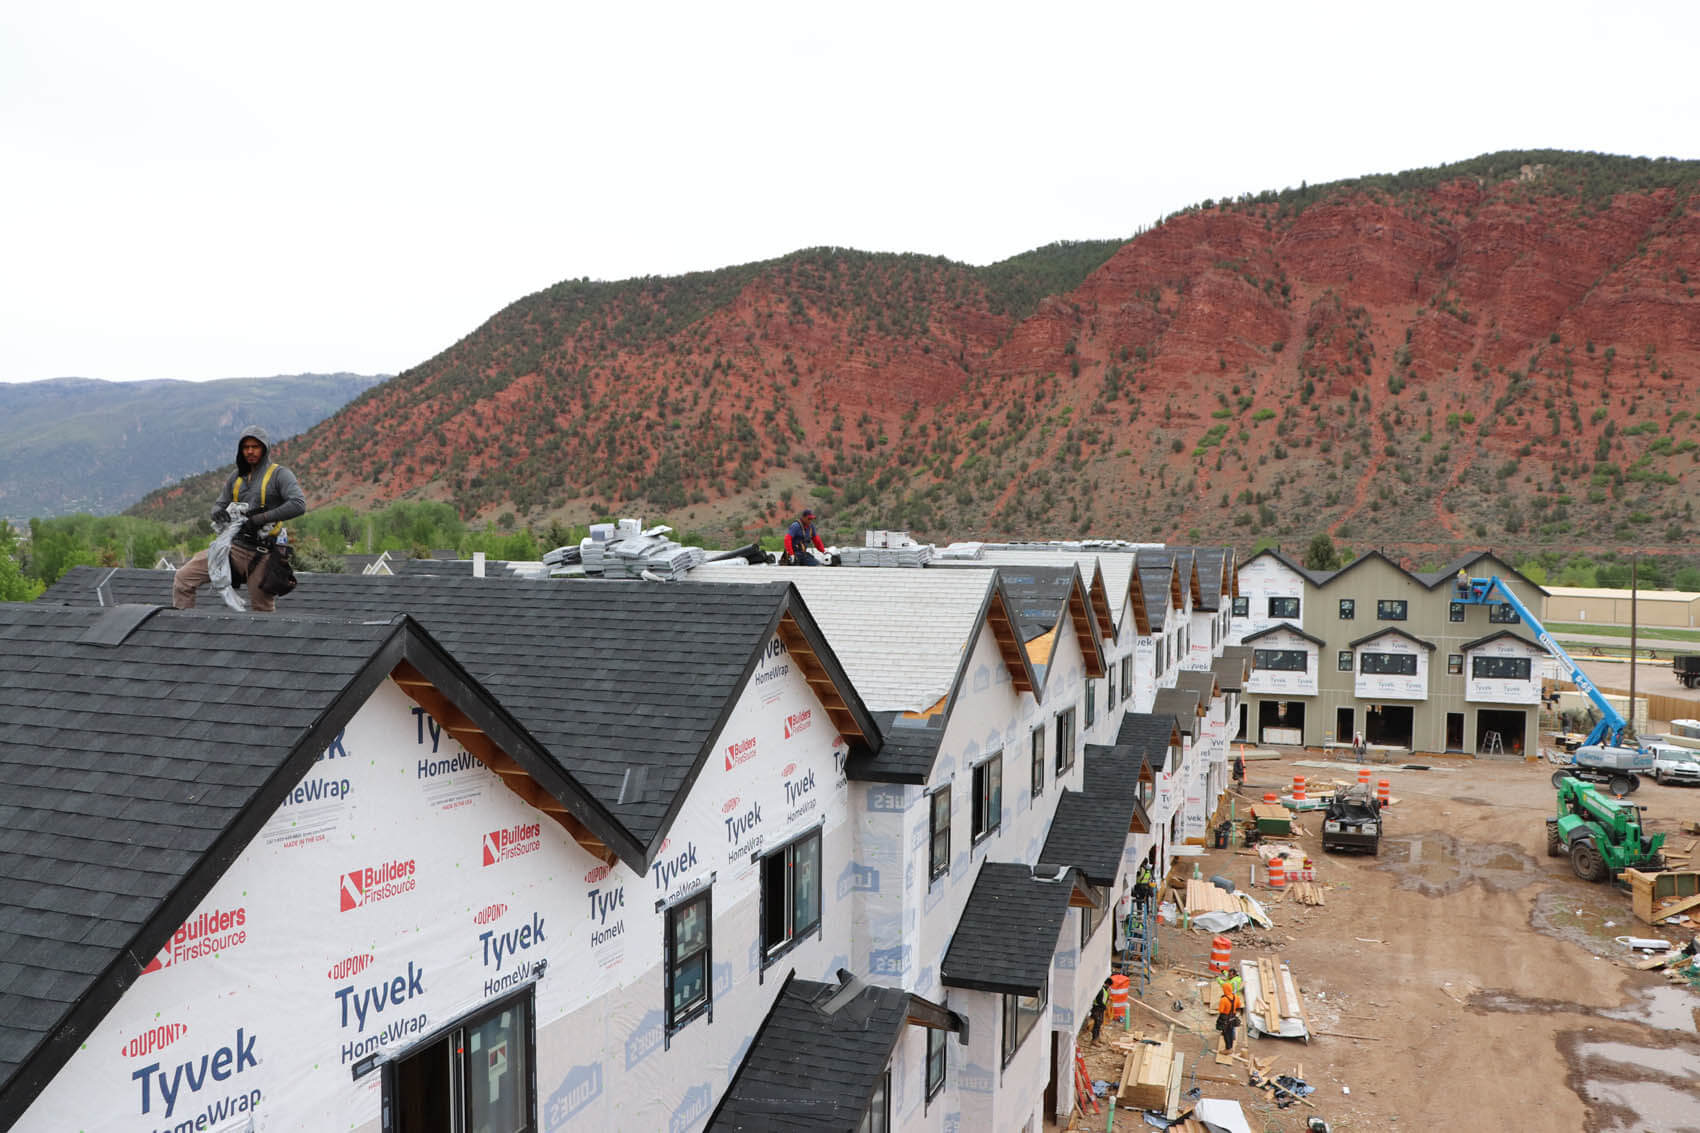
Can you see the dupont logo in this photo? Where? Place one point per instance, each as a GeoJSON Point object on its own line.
{"type": "Point", "coordinates": [488, 913]}
{"type": "Point", "coordinates": [353, 966]}
{"type": "Point", "coordinates": [741, 752]}
{"type": "Point", "coordinates": [790, 769]}
{"type": "Point", "coordinates": [514, 842]}
{"type": "Point", "coordinates": [799, 722]}
{"type": "Point", "coordinates": [204, 934]}
{"type": "Point", "coordinates": [729, 805]}
{"type": "Point", "coordinates": [154, 1038]}
{"type": "Point", "coordinates": [372, 884]}
{"type": "Point", "coordinates": [600, 872]}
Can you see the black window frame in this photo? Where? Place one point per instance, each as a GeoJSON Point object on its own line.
{"type": "Point", "coordinates": [1348, 609]}
{"type": "Point", "coordinates": [1092, 917]}
{"type": "Point", "coordinates": [1091, 702]}
{"type": "Point", "coordinates": [988, 804]}
{"type": "Point", "coordinates": [1283, 599]}
{"type": "Point", "coordinates": [1501, 614]}
{"type": "Point", "coordinates": [936, 1057]}
{"type": "Point", "coordinates": [1455, 611]}
{"type": "Point", "coordinates": [1127, 676]}
{"type": "Point", "coordinates": [878, 1117]}
{"type": "Point", "coordinates": [1381, 664]}
{"type": "Point", "coordinates": [1065, 740]}
{"type": "Point", "coordinates": [938, 864]}
{"type": "Point", "coordinates": [1454, 664]}
{"type": "Point", "coordinates": [1344, 661]}
{"type": "Point", "coordinates": [1385, 607]}
{"type": "Point", "coordinates": [1110, 687]}
{"type": "Point", "coordinates": [1242, 607]}
{"type": "Point", "coordinates": [679, 1019]}
{"type": "Point", "coordinates": [1265, 660]}
{"type": "Point", "coordinates": [1036, 753]}
{"type": "Point", "coordinates": [453, 1035]}
{"type": "Point", "coordinates": [786, 858]}
{"type": "Point", "coordinates": [1012, 1028]}
{"type": "Point", "coordinates": [1525, 663]}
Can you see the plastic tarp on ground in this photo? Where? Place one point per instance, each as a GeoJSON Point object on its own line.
{"type": "Point", "coordinates": [1226, 1116]}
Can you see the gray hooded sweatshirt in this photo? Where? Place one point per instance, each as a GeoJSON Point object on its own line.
{"type": "Point", "coordinates": [269, 501]}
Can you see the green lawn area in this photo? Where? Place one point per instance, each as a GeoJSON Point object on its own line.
{"type": "Point", "coordinates": [1660, 633]}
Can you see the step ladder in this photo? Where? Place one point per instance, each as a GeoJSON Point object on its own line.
{"type": "Point", "coordinates": [1491, 744]}
{"type": "Point", "coordinates": [1141, 950]}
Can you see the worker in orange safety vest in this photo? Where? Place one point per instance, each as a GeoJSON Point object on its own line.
{"type": "Point", "coordinates": [1228, 1004]}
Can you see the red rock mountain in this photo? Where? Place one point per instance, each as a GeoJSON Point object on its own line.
{"type": "Point", "coordinates": [1503, 350]}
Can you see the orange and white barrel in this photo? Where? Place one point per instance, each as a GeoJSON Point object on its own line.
{"type": "Point", "coordinates": [1298, 788]}
{"type": "Point", "coordinates": [1384, 793]}
{"type": "Point", "coordinates": [1220, 949]}
{"type": "Point", "coordinates": [1277, 873]}
{"type": "Point", "coordinates": [1363, 776]}
{"type": "Point", "coordinates": [1118, 996]}
{"type": "Point", "coordinates": [1271, 797]}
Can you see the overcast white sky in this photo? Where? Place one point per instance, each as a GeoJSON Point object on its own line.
{"type": "Point", "coordinates": [219, 190]}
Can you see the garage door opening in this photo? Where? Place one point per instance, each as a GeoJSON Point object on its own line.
{"type": "Point", "coordinates": [1281, 722]}
{"type": "Point", "coordinates": [1389, 724]}
{"type": "Point", "coordinates": [1508, 727]}
{"type": "Point", "coordinates": [1239, 736]}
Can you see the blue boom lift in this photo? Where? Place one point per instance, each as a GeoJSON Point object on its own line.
{"type": "Point", "coordinates": [1603, 757]}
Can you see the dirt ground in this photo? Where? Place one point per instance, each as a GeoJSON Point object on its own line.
{"type": "Point", "coordinates": [1481, 975]}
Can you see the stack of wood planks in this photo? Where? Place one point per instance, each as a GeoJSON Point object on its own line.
{"type": "Point", "coordinates": [1305, 892]}
{"type": "Point", "coordinates": [1151, 1074]}
{"type": "Point", "coordinates": [1276, 1000]}
{"type": "Point", "coordinates": [1205, 897]}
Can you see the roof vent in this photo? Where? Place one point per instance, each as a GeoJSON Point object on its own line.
{"type": "Point", "coordinates": [116, 623]}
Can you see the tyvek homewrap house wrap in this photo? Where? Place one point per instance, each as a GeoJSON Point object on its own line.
{"type": "Point", "coordinates": [398, 859]}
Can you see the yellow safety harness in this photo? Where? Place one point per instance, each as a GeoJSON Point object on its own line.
{"type": "Point", "coordinates": [265, 482]}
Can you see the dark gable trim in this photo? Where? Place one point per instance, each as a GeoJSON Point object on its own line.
{"type": "Point", "coordinates": [1310, 637]}
{"type": "Point", "coordinates": [1509, 572]}
{"type": "Point", "coordinates": [1492, 637]}
{"type": "Point", "coordinates": [1391, 631]}
{"type": "Point", "coordinates": [787, 602]}
{"type": "Point", "coordinates": [448, 677]}
{"type": "Point", "coordinates": [50, 1055]}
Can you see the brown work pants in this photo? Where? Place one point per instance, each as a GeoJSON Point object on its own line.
{"type": "Point", "coordinates": [193, 575]}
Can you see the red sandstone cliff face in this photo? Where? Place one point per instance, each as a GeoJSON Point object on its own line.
{"type": "Point", "coordinates": [1481, 359]}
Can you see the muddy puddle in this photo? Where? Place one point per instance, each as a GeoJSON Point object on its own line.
{"type": "Point", "coordinates": [1663, 1006]}
{"type": "Point", "coordinates": [1630, 1087]}
{"type": "Point", "coordinates": [1437, 864]}
{"type": "Point", "coordinates": [1591, 920]}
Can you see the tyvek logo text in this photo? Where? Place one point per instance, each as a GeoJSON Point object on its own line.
{"type": "Point", "coordinates": [193, 1075]}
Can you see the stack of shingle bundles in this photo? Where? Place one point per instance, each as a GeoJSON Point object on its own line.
{"type": "Point", "coordinates": [630, 558]}
{"type": "Point", "coordinates": [960, 551]}
{"type": "Point", "coordinates": [913, 555]}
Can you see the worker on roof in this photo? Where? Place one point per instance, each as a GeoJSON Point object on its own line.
{"type": "Point", "coordinates": [272, 495]}
{"type": "Point", "coordinates": [802, 540]}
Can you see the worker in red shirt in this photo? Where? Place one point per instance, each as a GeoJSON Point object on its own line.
{"type": "Point", "coordinates": [801, 540]}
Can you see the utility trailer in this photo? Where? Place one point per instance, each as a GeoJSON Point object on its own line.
{"type": "Point", "coordinates": [1686, 666]}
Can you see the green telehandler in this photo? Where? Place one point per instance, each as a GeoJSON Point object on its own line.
{"type": "Point", "coordinates": [1601, 835]}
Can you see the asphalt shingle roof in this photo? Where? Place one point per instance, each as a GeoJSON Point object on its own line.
{"type": "Point", "coordinates": [1091, 825]}
{"type": "Point", "coordinates": [808, 1069]}
{"type": "Point", "coordinates": [1182, 704]}
{"type": "Point", "coordinates": [1149, 734]}
{"type": "Point", "coordinates": [1038, 596]}
{"type": "Point", "coordinates": [1007, 934]}
{"type": "Point", "coordinates": [1200, 681]}
{"type": "Point", "coordinates": [577, 663]}
{"type": "Point", "coordinates": [117, 776]}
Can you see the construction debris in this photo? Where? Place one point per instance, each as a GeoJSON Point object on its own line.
{"type": "Point", "coordinates": [1274, 1005]}
{"type": "Point", "coordinates": [1305, 892]}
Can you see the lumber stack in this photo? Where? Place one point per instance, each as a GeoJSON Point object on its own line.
{"type": "Point", "coordinates": [1151, 1073]}
{"type": "Point", "coordinates": [1305, 892]}
{"type": "Point", "coordinates": [1277, 998]}
{"type": "Point", "coordinates": [1205, 897]}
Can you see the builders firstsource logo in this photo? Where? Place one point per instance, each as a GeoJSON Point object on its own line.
{"type": "Point", "coordinates": [377, 883]}
{"type": "Point", "coordinates": [741, 752]}
{"type": "Point", "coordinates": [799, 722]}
{"type": "Point", "coordinates": [514, 842]}
{"type": "Point", "coordinates": [204, 934]}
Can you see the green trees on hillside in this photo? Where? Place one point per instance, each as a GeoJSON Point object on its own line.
{"type": "Point", "coordinates": [14, 587]}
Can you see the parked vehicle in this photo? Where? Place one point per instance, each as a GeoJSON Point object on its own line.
{"type": "Point", "coordinates": [1672, 764]}
{"type": "Point", "coordinates": [1352, 821]}
{"type": "Point", "coordinates": [1686, 666]}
